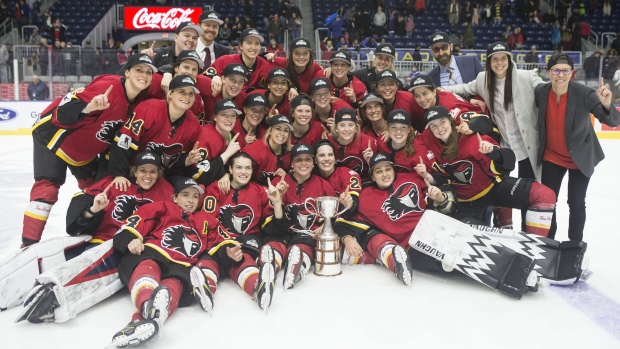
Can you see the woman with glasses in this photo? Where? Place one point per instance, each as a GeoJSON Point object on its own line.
{"type": "Point", "coordinates": [568, 142]}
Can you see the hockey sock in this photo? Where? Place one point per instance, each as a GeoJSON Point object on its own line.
{"type": "Point", "coordinates": [279, 250]}
{"type": "Point", "coordinates": [43, 196]}
{"type": "Point", "coordinates": [211, 270]}
{"type": "Point", "coordinates": [144, 279]}
{"type": "Point", "coordinates": [542, 204]}
{"type": "Point", "coordinates": [176, 288]}
{"type": "Point", "coordinates": [503, 216]}
{"type": "Point", "coordinates": [380, 247]}
{"type": "Point", "coordinates": [246, 274]}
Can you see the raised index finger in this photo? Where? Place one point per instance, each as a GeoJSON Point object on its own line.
{"type": "Point", "coordinates": [153, 45]}
{"type": "Point", "coordinates": [107, 93]}
{"type": "Point", "coordinates": [601, 82]}
{"type": "Point", "coordinates": [107, 189]}
{"type": "Point", "coordinates": [196, 145]}
{"type": "Point", "coordinates": [428, 184]}
{"type": "Point", "coordinates": [479, 138]}
{"type": "Point", "coordinates": [235, 137]}
{"type": "Point", "coordinates": [369, 143]}
{"type": "Point", "coordinates": [421, 161]}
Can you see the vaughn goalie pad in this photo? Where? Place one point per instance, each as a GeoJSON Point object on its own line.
{"type": "Point", "coordinates": [474, 254]}
{"type": "Point", "coordinates": [83, 281]}
{"type": "Point", "coordinates": [558, 263]}
{"type": "Point", "coordinates": [19, 270]}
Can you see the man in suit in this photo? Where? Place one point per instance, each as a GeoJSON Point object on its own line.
{"type": "Point", "coordinates": [568, 142]}
{"type": "Point", "coordinates": [452, 70]}
{"type": "Point", "coordinates": [207, 48]}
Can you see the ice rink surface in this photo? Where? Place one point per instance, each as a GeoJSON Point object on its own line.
{"type": "Point", "coordinates": [365, 307]}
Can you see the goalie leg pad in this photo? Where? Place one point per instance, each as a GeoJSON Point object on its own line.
{"type": "Point", "coordinates": [19, 270]}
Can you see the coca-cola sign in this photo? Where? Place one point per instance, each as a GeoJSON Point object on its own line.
{"type": "Point", "coordinates": [159, 18]}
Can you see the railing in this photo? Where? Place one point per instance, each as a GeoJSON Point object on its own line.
{"type": "Point", "coordinates": [100, 32]}
{"type": "Point", "coordinates": [610, 36]}
{"type": "Point", "coordinates": [25, 37]}
{"type": "Point", "coordinates": [594, 35]}
{"type": "Point", "coordinates": [6, 31]}
{"type": "Point", "coordinates": [317, 40]}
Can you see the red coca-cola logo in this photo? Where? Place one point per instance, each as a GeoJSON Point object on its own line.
{"type": "Point", "coordinates": [159, 18]}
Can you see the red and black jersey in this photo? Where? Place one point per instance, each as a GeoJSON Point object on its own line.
{"type": "Point", "coordinates": [284, 107]}
{"type": "Point", "coordinates": [343, 177]}
{"type": "Point", "coordinates": [79, 138]}
{"type": "Point", "coordinates": [150, 129]}
{"type": "Point", "coordinates": [314, 134]}
{"type": "Point", "coordinates": [350, 155]}
{"type": "Point", "coordinates": [368, 131]}
{"type": "Point", "coordinates": [122, 204]}
{"type": "Point", "coordinates": [402, 161]}
{"type": "Point", "coordinates": [454, 103]}
{"type": "Point", "coordinates": [304, 78]}
{"type": "Point", "coordinates": [211, 145]}
{"type": "Point", "coordinates": [300, 220]}
{"type": "Point", "coordinates": [155, 91]}
{"type": "Point", "coordinates": [396, 210]}
{"type": "Point", "coordinates": [335, 104]}
{"type": "Point", "coordinates": [258, 73]}
{"type": "Point", "coordinates": [176, 234]}
{"type": "Point", "coordinates": [471, 173]}
{"type": "Point", "coordinates": [352, 82]}
{"type": "Point", "coordinates": [403, 101]}
{"type": "Point", "coordinates": [210, 100]}
{"type": "Point", "coordinates": [259, 133]}
{"type": "Point", "coordinates": [241, 211]}
{"type": "Point", "coordinates": [266, 162]}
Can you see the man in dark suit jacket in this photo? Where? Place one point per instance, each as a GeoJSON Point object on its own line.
{"type": "Point", "coordinates": [568, 142]}
{"type": "Point", "coordinates": [452, 70]}
{"type": "Point", "coordinates": [207, 48]}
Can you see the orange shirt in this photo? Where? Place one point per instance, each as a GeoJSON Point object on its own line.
{"type": "Point", "coordinates": [556, 151]}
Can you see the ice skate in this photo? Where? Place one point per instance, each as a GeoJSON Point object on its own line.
{"type": "Point", "coordinates": [402, 265]}
{"type": "Point", "coordinates": [297, 266]}
{"type": "Point", "coordinates": [137, 332]}
{"type": "Point", "coordinates": [201, 290]}
{"type": "Point", "coordinates": [263, 292]}
{"type": "Point", "coordinates": [39, 305]}
{"type": "Point", "coordinates": [157, 307]}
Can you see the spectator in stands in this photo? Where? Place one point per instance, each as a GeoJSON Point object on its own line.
{"type": "Point", "coordinates": [566, 44]}
{"type": "Point", "coordinates": [420, 7]}
{"type": "Point", "coordinates": [275, 48]}
{"type": "Point", "coordinates": [486, 15]}
{"type": "Point", "coordinates": [592, 65]}
{"type": "Point", "coordinates": [275, 28]}
{"type": "Point", "coordinates": [497, 13]}
{"type": "Point", "coordinates": [414, 74]}
{"type": "Point", "coordinates": [43, 53]}
{"type": "Point", "coordinates": [20, 17]}
{"type": "Point", "coordinates": [335, 27]}
{"type": "Point", "coordinates": [467, 12]}
{"type": "Point", "coordinates": [47, 20]}
{"type": "Point", "coordinates": [409, 27]}
{"type": "Point", "coordinates": [36, 11]}
{"type": "Point", "coordinates": [379, 21]}
{"type": "Point", "coordinates": [517, 39]}
{"type": "Point", "coordinates": [549, 17]}
{"type": "Point", "coordinates": [400, 29]}
{"type": "Point", "coordinates": [584, 29]}
{"type": "Point", "coordinates": [531, 59]}
{"type": "Point", "coordinates": [327, 47]}
{"type": "Point", "coordinates": [224, 32]}
{"type": "Point", "coordinates": [370, 42]}
{"type": "Point", "coordinates": [468, 35]}
{"type": "Point", "coordinates": [294, 26]}
{"type": "Point", "coordinates": [364, 23]}
{"type": "Point", "coordinates": [37, 89]}
{"type": "Point", "coordinates": [453, 13]}
{"type": "Point", "coordinates": [475, 14]}
{"type": "Point", "coordinates": [4, 62]}
{"type": "Point", "coordinates": [416, 56]}
{"type": "Point", "coordinates": [616, 43]}
{"type": "Point", "coordinates": [207, 48]}
{"type": "Point", "coordinates": [57, 31]}
{"type": "Point", "coordinates": [185, 38]}
{"type": "Point", "coordinates": [610, 65]}
{"type": "Point", "coordinates": [534, 17]}
{"type": "Point", "coordinates": [35, 37]}
{"type": "Point", "coordinates": [607, 8]}
{"type": "Point", "coordinates": [451, 70]}
{"type": "Point", "coordinates": [556, 35]}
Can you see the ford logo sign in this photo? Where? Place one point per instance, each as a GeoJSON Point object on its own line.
{"type": "Point", "coordinates": [7, 114]}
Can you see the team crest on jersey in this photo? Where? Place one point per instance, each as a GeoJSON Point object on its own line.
{"type": "Point", "coordinates": [352, 162]}
{"type": "Point", "coordinates": [181, 239]}
{"type": "Point", "coordinates": [304, 220]}
{"type": "Point", "coordinates": [236, 219]}
{"type": "Point", "coordinates": [460, 171]}
{"type": "Point", "coordinates": [402, 201]}
{"type": "Point", "coordinates": [169, 153]}
{"type": "Point", "coordinates": [126, 205]}
{"type": "Point", "coordinates": [108, 130]}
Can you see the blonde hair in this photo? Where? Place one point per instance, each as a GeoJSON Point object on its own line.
{"type": "Point", "coordinates": [134, 168]}
{"type": "Point", "coordinates": [286, 145]}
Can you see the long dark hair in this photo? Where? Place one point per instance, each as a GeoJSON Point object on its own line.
{"type": "Point", "coordinates": [290, 68]}
{"type": "Point", "coordinates": [451, 148]}
{"type": "Point", "coordinates": [366, 123]}
{"type": "Point", "coordinates": [490, 84]}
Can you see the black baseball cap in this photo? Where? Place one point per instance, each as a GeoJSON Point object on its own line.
{"type": "Point", "coordinates": [147, 158]}
{"type": "Point", "coordinates": [181, 183]}
{"type": "Point", "coordinates": [236, 69]}
{"type": "Point", "coordinates": [301, 149]}
{"type": "Point", "coordinates": [190, 55]}
{"type": "Point", "coordinates": [341, 56]}
{"type": "Point", "coordinates": [182, 81]}
{"type": "Point", "coordinates": [319, 83]}
{"type": "Point", "coordinates": [210, 16]}
{"type": "Point", "coordinates": [386, 49]}
{"type": "Point", "coordinates": [435, 113]}
{"type": "Point", "coordinates": [189, 25]}
{"type": "Point", "coordinates": [387, 74]}
{"type": "Point", "coordinates": [498, 47]}
{"type": "Point", "coordinates": [371, 97]}
{"type": "Point", "coordinates": [301, 99]}
{"type": "Point", "coordinates": [140, 58]}
{"type": "Point", "coordinates": [562, 58]}
{"type": "Point", "coordinates": [345, 114]}
{"type": "Point", "coordinates": [420, 81]}
{"type": "Point", "coordinates": [278, 73]}
{"type": "Point", "coordinates": [378, 158]}
{"type": "Point", "coordinates": [225, 104]}
{"type": "Point", "coordinates": [280, 119]}
{"type": "Point", "coordinates": [255, 99]}
{"type": "Point", "coordinates": [300, 43]}
{"type": "Point", "coordinates": [437, 38]}
{"type": "Point", "coordinates": [250, 32]}
{"type": "Point", "coordinates": [399, 116]}
{"type": "Point", "coordinates": [320, 143]}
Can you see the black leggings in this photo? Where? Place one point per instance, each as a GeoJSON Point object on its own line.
{"type": "Point", "coordinates": [552, 176]}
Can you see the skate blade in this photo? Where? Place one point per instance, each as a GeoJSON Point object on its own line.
{"type": "Point", "coordinates": [195, 277]}
{"type": "Point", "coordinates": [144, 333]}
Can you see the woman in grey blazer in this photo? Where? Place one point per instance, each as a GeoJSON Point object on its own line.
{"type": "Point", "coordinates": [509, 94]}
{"type": "Point", "coordinates": [568, 142]}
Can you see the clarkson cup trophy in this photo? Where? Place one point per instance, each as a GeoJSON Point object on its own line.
{"type": "Point", "coordinates": [327, 261]}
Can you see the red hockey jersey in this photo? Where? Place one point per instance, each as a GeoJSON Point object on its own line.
{"type": "Point", "coordinates": [358, 87]}
{"type": "Point", "coordinates": [311, 136]}
{"type": "Point", "coordinates": [258, 73]}
{"type": "Point", "coordinates": [350, 155]}
{"type": "Point", "coordinates": [305, 77]}
{"type": "Point", "coordinates": [155, 91]}
{"type": "Point", "coordinates": [266, 162]}
{"type": "Point", "coordinates": [343, 177]}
